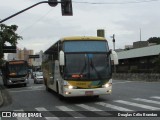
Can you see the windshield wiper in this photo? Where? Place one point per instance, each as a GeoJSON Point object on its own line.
{"type": "Point", "coordinates": [109, 52]}
{"type": "Point", "coordinates": [93, 67]}
{"type": "Point", "coordinates": [84, 67]}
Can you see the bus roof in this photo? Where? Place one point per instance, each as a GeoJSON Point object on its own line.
{"type": "Point", "coordinates": [74, 38]}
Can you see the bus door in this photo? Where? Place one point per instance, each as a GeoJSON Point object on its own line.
{"type": "Point", "coordinates": [51, 73]}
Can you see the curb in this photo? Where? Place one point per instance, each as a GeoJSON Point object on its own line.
{"type": "Point", "coordinates": [1, 98]}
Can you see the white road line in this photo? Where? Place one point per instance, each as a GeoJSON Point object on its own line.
{"type": "Point", "coordinates": [93, 109]}
{"type": "Point", "coordinates": [122, 82]}
{"type": "Point", "coordinates": [113, 106]}
{"type": "Point", "coordinates": [64, 108]}
{"type": "Point", "coordinates": [68, 110]}
{"type": "Point", "coordinates": [21, 118]}
{"type": "Point", "coordinates": [137, 105]}
{"type": "Point", "coordinates": [40, 109]}
{"type": "Point", "coordinates": [148, 101]}
{"type": "Point", "coordinates": [156, 97]}
{"type": "Point", "coordinates": [88, 107]}
{"type": "Point", "coordinates": [14, 91]}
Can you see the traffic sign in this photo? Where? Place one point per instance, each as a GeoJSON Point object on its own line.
{"type": "Point", "coordinates": [33, 56]}
{"type": "Point", "coordinates": [9, 49]}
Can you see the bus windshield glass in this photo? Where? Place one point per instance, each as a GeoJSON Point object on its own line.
{"type": "Point", "coordinates": [86, 60]}
{"type": "Point", "coordinates": [19, 69]}
{"type": "Point", "coordinates": [87, 66]}
{"type": "Point", "coordinates": [85, 46]}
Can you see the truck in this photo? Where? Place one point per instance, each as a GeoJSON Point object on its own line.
{"type": "Point", "coordinates": [15, 72]}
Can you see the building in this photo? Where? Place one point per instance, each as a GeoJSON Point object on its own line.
{"type": "Point", "coordinates": [139, 59]}
{"type": "Point", "coordinates": [21, 55]}
{"type": "Point", "coordinates": [37, 62]}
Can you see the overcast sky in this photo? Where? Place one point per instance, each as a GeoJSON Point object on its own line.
{"type": "Point", "coordinates": [43, 25]}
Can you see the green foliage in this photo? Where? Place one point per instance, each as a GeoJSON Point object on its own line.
{"type": "Point", "coordinates": [154, 40]}
{"type": "Point", "coordinates": [8, 34]}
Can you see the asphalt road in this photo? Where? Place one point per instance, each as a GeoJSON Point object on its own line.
{"type": "Point", "coordinates": [127, 97]}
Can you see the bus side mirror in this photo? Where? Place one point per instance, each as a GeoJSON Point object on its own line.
{"type": "Point", "coordinates": [114, 57]}
{"type": "Point", "coordinates": [61, 58]}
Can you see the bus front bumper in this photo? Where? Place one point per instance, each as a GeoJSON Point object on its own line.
{"type": "Point", "coordinates": [18, 81]}
{"type": "Point", "coordinates": [86, 92]}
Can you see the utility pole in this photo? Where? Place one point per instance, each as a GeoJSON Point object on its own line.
{"type": "Point", "coordinates": [113, 42]}
{"type": "Point", "coordinates": [113, 37]}
{"type": "Point", "coordinates": [140, 34]}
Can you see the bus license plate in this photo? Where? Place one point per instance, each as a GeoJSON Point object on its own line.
{"type": "Point", "coordinates": [88, 93]}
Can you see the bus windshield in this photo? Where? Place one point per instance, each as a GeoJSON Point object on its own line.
{"type": "Point", "coordinates": [19, 69]}
{"type": "Point", "coordinates": [85, 46]}
{"type": "Point", "coordinates": [87, 66]}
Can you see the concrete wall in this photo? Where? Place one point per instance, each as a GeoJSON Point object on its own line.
{"type": "Point", "coordinates": [150, 77]}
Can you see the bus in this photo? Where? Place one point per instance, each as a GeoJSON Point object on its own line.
{"type": "Point", "coordinates": [15, 72]}
{"type": "Point", "coordinates": [79, 66]}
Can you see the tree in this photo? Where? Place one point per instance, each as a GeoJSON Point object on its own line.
{"type": "Point", "coordinates": [154, 40]}
{"type": "Point", "coordinates": [8, 34]}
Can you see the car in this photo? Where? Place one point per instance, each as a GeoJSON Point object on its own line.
{"type": "Point", "coordinates": [38, 77]}
{"type": "Point", "coordinates": [33, 74]}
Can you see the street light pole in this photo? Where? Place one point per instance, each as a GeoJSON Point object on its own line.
{"type": "Point", "coordinates": [51, 2]}
{"type": "Point", "coordinates": [113, 42]}
{"type": "Point", "coordinates": [114, 50]}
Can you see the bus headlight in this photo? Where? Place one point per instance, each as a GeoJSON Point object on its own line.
{"type": "Point", "coordinates": [107, 85]}
{"type": "Point", "coordinates": [10, 81]}
{"type": "Point", "coordinates": [70, 87]}
{"type": "Point", "coordinates": [67, 85]}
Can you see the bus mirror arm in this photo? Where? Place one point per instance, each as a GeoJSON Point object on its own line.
{"type": "Point", "coordinates": [61, 58]}
{"type": "Point", "coordinates": [109, 52]}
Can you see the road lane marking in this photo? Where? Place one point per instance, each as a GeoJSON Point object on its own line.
{"type": "Point", "coordinates": [40, 109]}
{"type": "Point", "coordinates": [156, 97]}
{"type": "Point", "coordinates": [64, 108]}
{"type": "Point", "coordinates": [88, 107]}
{"type": "Point", "coordinates": [93, 109]}
{"type": "Point", "coordinates": [121, 82]}
{"type": "Point", "coordinates": [113, 106]}
{"type": "Point", "coordinates": [146, 100]}
{"type": "Point", "coordinates": [17, 91]}
{"type": "Point", "coordinates": [35, 87]}
{"type": "Point", "coordinates": [137, 105]}
{"type": "Point", "coordinates": [69, 110]}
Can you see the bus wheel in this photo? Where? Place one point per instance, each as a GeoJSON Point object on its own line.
{"type": "Point", "coordinates": [96, 96]}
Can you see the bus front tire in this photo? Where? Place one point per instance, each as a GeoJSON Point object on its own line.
{"type": "Point", "coordinates": [25, 84]}
{"type": "Point", "coordinates": [96, 96]}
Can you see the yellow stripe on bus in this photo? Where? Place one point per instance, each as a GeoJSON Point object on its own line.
{"type": "Point", "coordinates": [82, 84]}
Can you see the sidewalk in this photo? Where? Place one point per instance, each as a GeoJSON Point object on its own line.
{"type": "Point", "coordinates": [1, 99]}
{"type": "Point", "coordinates": [1, 88]}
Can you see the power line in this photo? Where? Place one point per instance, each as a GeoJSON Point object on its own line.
{"type": "Point", "coordinates": [36, 21]}
{"type": "Point", "coordinates": [128, 2]}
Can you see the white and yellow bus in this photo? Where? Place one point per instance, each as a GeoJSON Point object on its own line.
{"type": "Point", "coordinates": [79, 66]}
